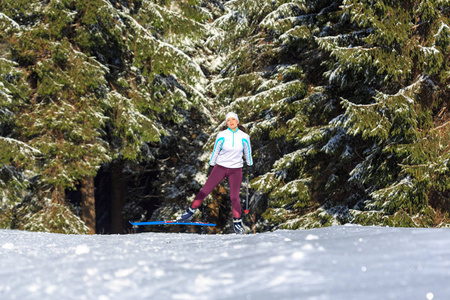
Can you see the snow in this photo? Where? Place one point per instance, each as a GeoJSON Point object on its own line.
{"type": "Point", "coordinates": [339, 262]}
{"type": "Point", "coordinates": [271, 95]}
{"type": "Point", "coordinates": [26, 149]}
{"type": "Point", "coordinates": [429, 50]}
{"type": "Point", "coordinates": [13, 25]}
{"type": "Point", "coordinates": [443, 27]}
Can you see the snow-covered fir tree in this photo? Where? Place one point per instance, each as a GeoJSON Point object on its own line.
{"type": "Point", "coordinates": [345, 102]}
{"type": "Point", "coordinates": [98, 82]}
{"type": "Point", "coordinates": [391, 72]}
{"type": "Point", "coordinates": [341, 98]}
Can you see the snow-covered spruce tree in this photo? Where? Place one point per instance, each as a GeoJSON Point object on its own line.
{"type": "Point", "coordinates": [66, 115]}
{"type": "Point", "coordinates": [14, 153]}
{"type": "Point", "coordinates": [59, 118]}
{"type": "Point", "coordinates": [179, 87]}
{"type": "Point", "coordinates": [391, 72]}
{"type": "Point", "coordinates": [13, 88]}
{"type": "Point", "coordinates": [156, 79]}
{"type": "Point", "coordinates": [317, 166]}
{"type": "Point", "coordinates": [271, 70]}
{"type": "Point", "coordinates": [99, 80]}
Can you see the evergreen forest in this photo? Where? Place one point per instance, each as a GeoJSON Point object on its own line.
{"type": "Point", "coordinates": [109, 111]}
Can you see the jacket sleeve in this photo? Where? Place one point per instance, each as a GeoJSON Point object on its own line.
{"type": "Point", "coordinates": [247, 150]}
{"type": "Point", "coordinates": [217, 147]}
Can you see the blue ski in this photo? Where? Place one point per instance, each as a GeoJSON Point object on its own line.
{"type": "Point", "coordinates": [171, 223]}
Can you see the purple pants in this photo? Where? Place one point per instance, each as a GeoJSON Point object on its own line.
{"type": "Point", "coordinates": [216, 176]}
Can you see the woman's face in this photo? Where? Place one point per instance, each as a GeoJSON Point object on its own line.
{"type": "Point", "coordinates": [232, 123]}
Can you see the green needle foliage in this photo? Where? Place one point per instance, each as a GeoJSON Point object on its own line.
{"type": "Point", "coordinates": [349, 119]}
{"type": "Point", "coordinates": [79, 91]}
{"type": "Point", "coordinates": [346, 103]}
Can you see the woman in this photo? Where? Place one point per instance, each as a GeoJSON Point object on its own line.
{"type": "Point", "coordinates": [231, 144]}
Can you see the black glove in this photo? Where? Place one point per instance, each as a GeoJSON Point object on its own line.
{"type": "Point", "coordinates": [249, 172]}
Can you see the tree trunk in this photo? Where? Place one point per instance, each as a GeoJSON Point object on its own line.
{"type": "Point", "coordinates": [118, 193]}
{"type": "Point", "coordinates": [58, 195]}
{"type": "Point", "coordinates": [87, 213]}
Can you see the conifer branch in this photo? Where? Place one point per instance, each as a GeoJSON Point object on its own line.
{"type": "Point", "coordinates": [417, 25]}
{"type": "Point", "coordinates": [11, 141]}
{"type": "Point", "coordinates": [440, 126]}
{"type": "Point", "coordinates": [363, 48]}
{"type": "Point", "coordinates": [362, 105]}
{"type": "Point", "coordinates": [416, 166]}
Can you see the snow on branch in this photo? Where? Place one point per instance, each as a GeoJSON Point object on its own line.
{"type": "Point", "coordinates": [8, 24]}
{"type": "Point", "coordinates": [405, 92]}
{"type": "Point", "coordinates": [410, 89]}
{"type": "Point", "coordinates": [20, 144]}
{"type": "Point", "coordinates": [399, 189]}
{"type": "Point", "coordinates": [441, 29]}
{"type": "Point", "coordinates": [331, 43]}
{"type": "Point", "coordinates": [287, 10]}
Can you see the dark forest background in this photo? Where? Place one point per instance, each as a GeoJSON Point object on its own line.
{"type": "Point", "coordinates": [109, 110]}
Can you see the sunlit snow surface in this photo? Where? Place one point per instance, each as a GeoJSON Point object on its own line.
{"type": "Point", "coordinates": [340, 262]}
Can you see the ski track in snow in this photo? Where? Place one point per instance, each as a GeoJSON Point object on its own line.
{"type": "Point", "coordinates": [339, 262]}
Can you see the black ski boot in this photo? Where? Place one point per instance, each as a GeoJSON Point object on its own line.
{"type": "Point", "coordinates": [188, 215]}
{"type": "Point", "coordinates": [238, 226]}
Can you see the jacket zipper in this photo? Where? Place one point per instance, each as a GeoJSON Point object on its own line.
{"type": "Point", "coordinates": [233, 139]}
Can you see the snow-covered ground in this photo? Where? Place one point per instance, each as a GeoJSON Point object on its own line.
{"type": "Point", "coordinates": [339, 262]}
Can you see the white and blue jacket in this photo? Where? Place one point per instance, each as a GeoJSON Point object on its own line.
{"type": "Point", "coordinates": [229, 147]}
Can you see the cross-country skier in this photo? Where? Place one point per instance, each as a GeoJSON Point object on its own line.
{"type": "Point", "coordinates": [226, 161]}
